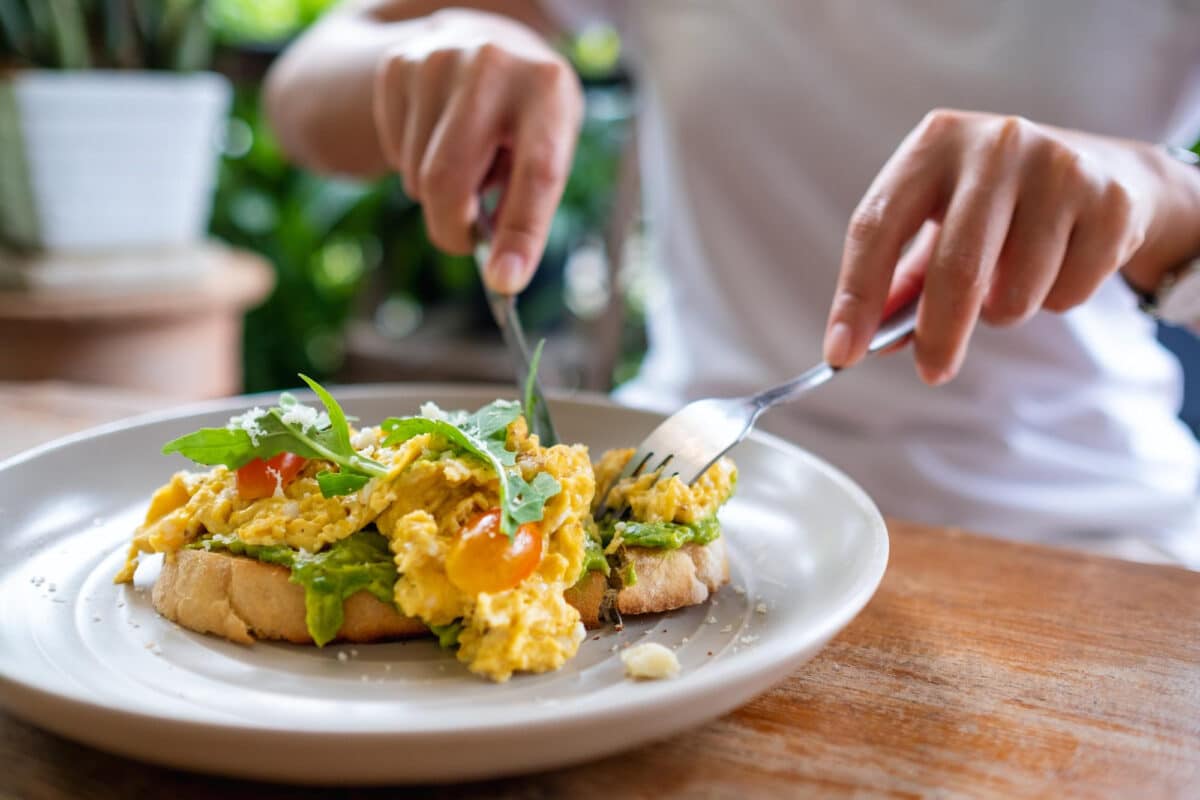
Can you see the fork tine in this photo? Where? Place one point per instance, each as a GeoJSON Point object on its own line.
{"type": "Point", "coordinates": [645, 459]}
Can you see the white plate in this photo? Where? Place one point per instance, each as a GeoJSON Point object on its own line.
{"type": "Point", "coordinates": [93, 662]}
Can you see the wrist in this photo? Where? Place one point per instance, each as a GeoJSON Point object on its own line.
{"type": "Point", "coordinates": [1173, 235]}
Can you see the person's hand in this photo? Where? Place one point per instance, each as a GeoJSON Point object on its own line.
{"type": "Point", "coordinates": [473, 98]}
{"type": "Point", "coordinates": [1014, 217]}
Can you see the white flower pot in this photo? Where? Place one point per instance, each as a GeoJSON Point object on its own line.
{"type": "Point", "coordinates": [100, 160]}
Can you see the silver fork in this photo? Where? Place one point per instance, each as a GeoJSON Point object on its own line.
{"type": "Point", "coordinates": [689, 441]}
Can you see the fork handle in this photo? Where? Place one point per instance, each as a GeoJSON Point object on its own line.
{"type": "Point", "coordinates": [893, 331]}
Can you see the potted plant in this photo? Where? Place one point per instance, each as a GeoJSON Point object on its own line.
{"type": "Point", "coordinates": [109, 130]}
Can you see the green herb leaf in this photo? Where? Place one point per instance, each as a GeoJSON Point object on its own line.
{"type": "Point", "coordinates": [231, 447]}
{"type": "Point", "coordinates": [483, 435]}
{"type": "Point", "coordinates": [339, 428]}
{"type": "Point", "coordinates": [335, 484]}
{"type": "Point", "coordinates": [531, 381]}
{"type": "Point", "coordinates": [282, 429]}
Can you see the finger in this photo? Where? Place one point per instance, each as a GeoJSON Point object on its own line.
{"type": "Point", "coordinates": [458, 160]}
{"type": "Point", "coordinates": [1102, 240]}
{"type": "Point", "coordinates": [1030, 260]}
{"type": "Point", "coordinates": [973, 232]}
{"type": "Point", "coordinates": [429, 84]}
{"type": "Point", "coordinates": [388, 109]}
{"type": "Point", "coordinates": [908, 190]}
{"type": "Point", "coordinates": [910, 276]}
{"type": "Point", "coordinates": [910, 271]}
{"type": "Point", "coordinates": [541, 153]}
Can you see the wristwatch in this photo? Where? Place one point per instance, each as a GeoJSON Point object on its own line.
{"type": "Point", "coordinates": [1176, 301]}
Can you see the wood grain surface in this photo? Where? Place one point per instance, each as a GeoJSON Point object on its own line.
{"type": "Point", "coordinates": [981, 668]}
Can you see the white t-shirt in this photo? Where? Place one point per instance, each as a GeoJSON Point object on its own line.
{"type": "Point", "coordinates": [762, 124]}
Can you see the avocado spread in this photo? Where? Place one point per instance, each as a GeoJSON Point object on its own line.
{"type": "Point", "coordinates": [360, 562]}
{"type": "Point", "coordinates": [663, 535]}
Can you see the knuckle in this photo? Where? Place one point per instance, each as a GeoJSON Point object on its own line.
{"type": "Point", "coordinates": [543, 172]}
{"type": "Point", "coordinates": [939, 122]}
{"type": "Point", "coordinates": [1062, 162]}
{"type": "Point", "coordinates": [437, 61]}
{"type": "Point", "coordinates": [959, 269]}
{"type": "Point", "coordinates": [867, 221]}
{"type": "Point", "coordinates": [523, 232]}
{"type": "Point", "coordinates": [1009, 130]}
{"type": "Point", "coordinates": [434, 172]}
{"type": "Point", "coordinates": [490, 55]}
{"type": "Point", "coordinates": [1064, 298]}
{"type": "Point", "coordinates": [849, 300]}
{"type": "Point", "coordinates": [1008, 308]}
{"type": "Point", "coordinates": [548, 76]}
{"type": "Point", "coordinates": [1117, 201]}
{"type": "Point", "coordinates": [391, 69]}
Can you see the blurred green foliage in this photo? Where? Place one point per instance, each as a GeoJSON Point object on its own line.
{"type": "Point", "coordinates": [259, 21]}
{"type": "Point", "coordinates": [105, 34]}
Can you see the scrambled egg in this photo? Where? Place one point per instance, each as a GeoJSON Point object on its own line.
{"type": "Point", "coordinates": [670, 500]}
{"type": "Point", "coordinates": [421, 505]}
{"type": "Point", "coordinates": [529, 627]}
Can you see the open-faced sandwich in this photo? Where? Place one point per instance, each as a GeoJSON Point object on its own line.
{"type": "Point", "coordinates": [458, 524]}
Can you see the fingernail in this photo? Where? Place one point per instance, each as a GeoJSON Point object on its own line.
{"type": "Point", "coordinates": [506, 273]}
{"type": "Point", "coordinates": [934, 377]}
{"type": "Point", "coordinates": [837, 344]}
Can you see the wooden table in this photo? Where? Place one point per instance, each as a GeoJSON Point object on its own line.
{"type": "Point", "coordinates": [981, 668]}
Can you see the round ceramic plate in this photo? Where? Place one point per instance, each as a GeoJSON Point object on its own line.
{"type": "Point", "coordinates": [94, 662]}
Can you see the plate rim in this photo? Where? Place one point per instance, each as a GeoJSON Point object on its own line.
{"type": "Point", "coordinates": [751, 664]}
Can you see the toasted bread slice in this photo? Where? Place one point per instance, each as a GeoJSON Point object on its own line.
{"type": "Point", "coordinates": [243, 599]}
{"type": "Point", "coordinates": [666, 580]}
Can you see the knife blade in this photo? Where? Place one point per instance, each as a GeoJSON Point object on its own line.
{"type": "Point", "coordinates": [504, 310]}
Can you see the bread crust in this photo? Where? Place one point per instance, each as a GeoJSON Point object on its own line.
{"type": "Point", "coordinates": [242, 599]}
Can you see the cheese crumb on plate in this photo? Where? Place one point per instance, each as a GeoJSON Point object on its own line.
{"type": "Point", "coordinates": [650, 661]}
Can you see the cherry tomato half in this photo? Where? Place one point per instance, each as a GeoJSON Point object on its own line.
{"type": "Point", "coordinates": [258, 478]}
{"type": "Point", "coordinates": [484, 560]}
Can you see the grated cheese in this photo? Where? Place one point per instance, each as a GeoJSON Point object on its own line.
{"type": "Point", "coordinates": [431, 410]}
{"type": "Point", "coordinates": [305, 417]}
{"type": "Point", "coordinates": [248, 422]}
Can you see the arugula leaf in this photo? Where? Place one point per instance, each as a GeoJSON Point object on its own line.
{"type": "Point", "coordinates": [284, 429]}
{"type": "Point", "coordinates": [339, 428]}
{"type": "Point", "coordinates": [531, 381]}
{"type": "Point", "coordinates": [335, 484]}
{"type": "Point", "coordinates": [483, 435]}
